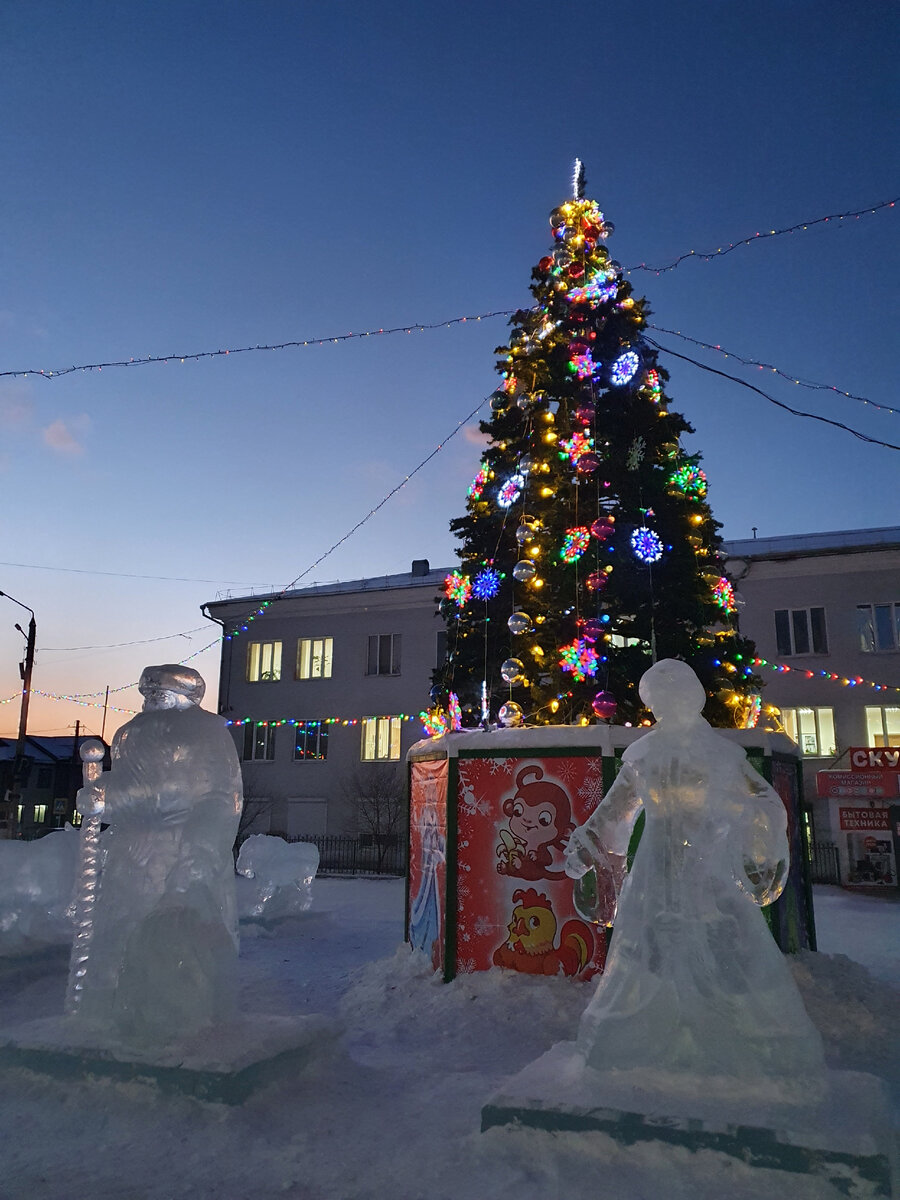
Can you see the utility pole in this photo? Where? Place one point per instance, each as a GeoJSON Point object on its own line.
{"type": "Point", "coordinates": [19, 764]}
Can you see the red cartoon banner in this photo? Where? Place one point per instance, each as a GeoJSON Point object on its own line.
{"type": "Point", "coordinates": [514, 900]}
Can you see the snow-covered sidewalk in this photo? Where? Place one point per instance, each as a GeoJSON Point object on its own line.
{"type": "Point", "coordinates": [391, 1109]}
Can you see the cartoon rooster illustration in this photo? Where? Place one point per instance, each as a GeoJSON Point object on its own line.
{"type": "Point", "coordinates": [532, 933]}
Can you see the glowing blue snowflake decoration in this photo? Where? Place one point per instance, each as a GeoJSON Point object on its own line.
{"type": "Point", "coordinates": [646, 545]}
{"type": "Point", "coordinates": [486, 584]}
{"type": "Point", "coordinates": [511, 491]}
{"type": "Point", "coordinates": [624, 368]}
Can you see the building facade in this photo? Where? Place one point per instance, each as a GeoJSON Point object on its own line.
{"type": "Point", "coordinates": [323, 687]}
{"type": "Point", "coordinates": [824, 612]}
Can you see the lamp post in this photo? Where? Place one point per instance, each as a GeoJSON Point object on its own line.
{"type": "Point", "coordinates": [25, 668]}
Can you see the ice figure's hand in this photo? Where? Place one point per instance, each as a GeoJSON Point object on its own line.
{"type": "Point", "coordinates": [579, 859]}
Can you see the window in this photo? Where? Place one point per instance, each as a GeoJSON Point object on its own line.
{"type": "Point", "coordinates": [800, 631]}
{"type": "Point", "coordinates": [263, 662]}
{"type": "Point", "coordinates": [314, 658]}
{"type": "Point", "coordinates": [380, 738]}
{"type": "Point", "coordinates": [384, 654]}
{"type": "Point", "coordinates": [40, 813]}
{"type": "Point", "coordinates": [310, 741]}
{"type": "Point", "coordinates": [812, 729]}
{"type": "Point", "coordinates": [259, 742]}
{"type": "Point", "coordinates": [44, 777]}
{"type": "Point", "coordinates": [883, 726]}
{"type": "Point", "coordinates": [878, 626]}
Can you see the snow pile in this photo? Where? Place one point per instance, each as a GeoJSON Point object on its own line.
{"type": "Point", "coordinates": [392, 1109]}
{"type": "Point", "coordinates": [36, 883]}
{"type": "Point", "coordinates": [274, 878]}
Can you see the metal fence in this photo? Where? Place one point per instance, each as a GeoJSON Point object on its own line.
{"type": "Point", "coordinates": [344, 855]}
{"type": "Point", "coordinates": [824, 865]}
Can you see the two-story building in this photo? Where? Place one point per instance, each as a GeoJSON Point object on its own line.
{"type": "Point", "coordinates": [323, 686]}
{"type": "Point", "coordinates": [824, 612]}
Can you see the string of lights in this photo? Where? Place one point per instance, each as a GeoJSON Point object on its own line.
{"type": "Point", "coordinates": [843, 680]}
{"type": "Point", "coordinates": [797, 412]}
{"type": "Point", "coordinates": [708, 255]}
{"type": "Point", "coordinates": [764, 366]}
{"type": "Point", "coordinates": [196, 356]}
{"type": "Point", "coordinates": [423, 326]}
{"type": "Point", "coordinates": [344, 721]}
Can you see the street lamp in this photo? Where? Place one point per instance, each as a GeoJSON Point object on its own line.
{"type": "Point", "coordinates": [25, 668]}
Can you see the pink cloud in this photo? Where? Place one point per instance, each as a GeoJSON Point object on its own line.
{"type": "Point", "coordinates": [474, 436]}
{"type": "Point", "coordinates": [66, 438]}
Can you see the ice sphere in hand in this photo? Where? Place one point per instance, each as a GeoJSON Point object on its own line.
{"type": "Point", "coordinates": [36, 881]}
{"type": "Point", "coordinates": [163, 948]}
{"type": "Point", "coordinates": [694, 982]}
{"type": "Point", "coordinates": [275, 877]}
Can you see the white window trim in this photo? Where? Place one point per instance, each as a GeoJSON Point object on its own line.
{"type": "Point", "coordinates": [306, 658]}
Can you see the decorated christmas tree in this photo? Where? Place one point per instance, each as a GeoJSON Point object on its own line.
{"type": "Point", "coordinates": [588, 549]}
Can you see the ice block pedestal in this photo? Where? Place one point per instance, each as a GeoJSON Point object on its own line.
{"type": "Point", "coordinates": [223, 1064]}
{"type": "Point", "coordinates": [844, 1136]}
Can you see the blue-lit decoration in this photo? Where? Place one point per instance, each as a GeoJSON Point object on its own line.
{"type": "Point", "coordinates": [486, 584]}
{"type": "Point", "coordinates": [646, 545]}
{"type": "Point", "coordinates": [511, 491]}
{"type": "Point", "coordinates": [624, 368]}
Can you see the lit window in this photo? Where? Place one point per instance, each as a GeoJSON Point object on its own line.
{"type": "Point", "coordinates": [259, 742]}
{"type": "Point", "coordinates": [812, 729]}
{"type": "Point", "coordinates": [800, 631]}
{"type": "Point", "coordinates": [878, 626]}
{"type": "Point", "coordinates": [314, 658]}
{"type": "Point", "coordinates": [40, 813]}
{"type": "Point", "coordinates": [380, 739]}
{"type": "Point", "coordinates": [263, 662]}
{"type": "Point", "coordinates": [383, 654]}
{"type": "Point", "coordinates": [883, 726]}
{"type": "Point", "coordinates": [310, 741]}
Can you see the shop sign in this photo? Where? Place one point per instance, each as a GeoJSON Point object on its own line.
{"type": "Point", "coordinates": [868, 785]}
{"type": "Point", "coordinates": [863, 758]}
{"type": "Point", "coordinates": [856, 819]}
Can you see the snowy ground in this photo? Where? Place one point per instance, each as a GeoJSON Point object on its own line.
{"type": "Point", "coordinates": [391, 1109]}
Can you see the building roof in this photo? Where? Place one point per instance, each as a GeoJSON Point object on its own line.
{"type": "Point", "coordinates": [421, 576]}
{"type": "Point", "coordinates": [43, 749]}
{"type": "Point", "coordinates": [847, 541]}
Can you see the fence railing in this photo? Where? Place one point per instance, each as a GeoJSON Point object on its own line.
{"type": "Point", "coordinates": [345, 855]}
{"type": "Point", "coordinates": [824, 864]}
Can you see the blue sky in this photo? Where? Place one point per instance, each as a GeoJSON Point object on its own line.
{"type": "Point", "coordinates": [202, 175]}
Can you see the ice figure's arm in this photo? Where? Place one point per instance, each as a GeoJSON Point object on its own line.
{"type": "Point", "coordinates": [762, 852]}
{"type": "Point", "coordinates": [602, 841]}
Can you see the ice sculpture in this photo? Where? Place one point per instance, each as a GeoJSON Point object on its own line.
{"type": "Point", "coordinates": [275, 877]}
{"type": "Point", "coordinates": [163, 936]}
{"type": "Point", "coordinates": [36, 880]}
{"type": "Point", "coordinates": [695, 984]}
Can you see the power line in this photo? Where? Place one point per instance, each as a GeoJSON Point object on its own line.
{"type": "Point", "coordinates": [863, 437]}
{"type": "Point", "coordinates": [127, 575]}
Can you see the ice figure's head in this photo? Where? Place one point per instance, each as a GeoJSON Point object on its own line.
{"type": "Point", "coordinates": [672, 691]}
{"type": "Point", "coordinates": [170, 686]}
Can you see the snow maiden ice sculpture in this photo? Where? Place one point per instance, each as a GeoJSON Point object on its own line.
{"type": "Point", "coordinates": [163, 946]}
{"type": "Point", "coordinates": [696, 1034]}
{"type": "Point", "coordinates": [694, 982]}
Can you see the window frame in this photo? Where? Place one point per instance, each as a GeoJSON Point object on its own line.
{"type": "Point", "coordinates": [306, 657]}
{"type": "Point", "coordinates": [258, 672]}
{"type": "Point", "coordinates": [307, 729]}
{"type": "Point", "coordinates": [250, 739]}
{"type": "Point", "coordinates": [381, 642]}
{"type": "Point", "coordinates": [887, 738]}
{"type": "Point", "coordinates": [382, 733]}
{"type": "Point", "coordinates": [893, 609]}
{"type": "Point", "coordinates": [790, 718]}
{"type": "Point", "coordinates": [788, 631]}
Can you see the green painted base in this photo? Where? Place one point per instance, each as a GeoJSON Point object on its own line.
{"type": "Point", "coordinates": [222, 1066]}
{"type": "Point", "coordinates": [845, 1137]}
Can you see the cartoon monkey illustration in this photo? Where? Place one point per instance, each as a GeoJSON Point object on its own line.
{"type": "Point", "coordinates": [540, 820]}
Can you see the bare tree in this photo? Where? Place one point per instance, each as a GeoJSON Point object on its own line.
{"type": "Point", "coordinates": [377, 796]}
